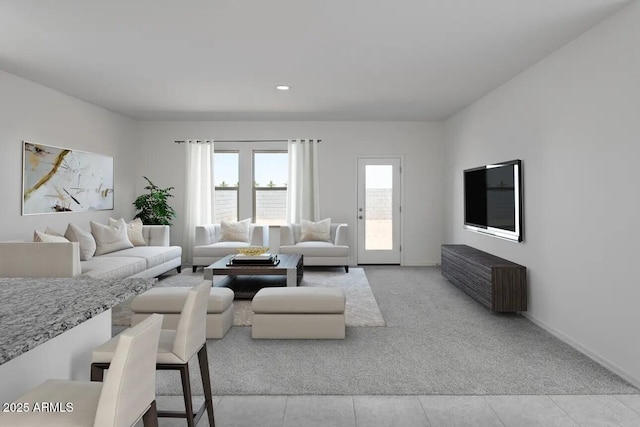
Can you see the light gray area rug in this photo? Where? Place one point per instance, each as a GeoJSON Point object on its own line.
{"type": "Point", "coordinates": [437, 341]}
{"type": "Point", "coordinates": [362, 308]}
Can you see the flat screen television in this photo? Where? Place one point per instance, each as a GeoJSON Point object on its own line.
{"type": "Point", "coordinates": [493, 200]}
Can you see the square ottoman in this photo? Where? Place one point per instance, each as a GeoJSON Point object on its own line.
{"type": "Point", "coordinates": [169, 302]}
{"type": "Point", "coordinates": [299, 313]}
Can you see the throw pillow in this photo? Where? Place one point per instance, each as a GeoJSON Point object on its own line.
{"type": "Point", "coordinates": [134, 231]}
{"type": "Point", "coordinates": [315, 231]}
{"type": "Point", "coordinates": [85, 240]}
{"type": "Point", "coordinates": [39, 236]}
{"type": "Point", "coordinates": [110, 239]}
{"type": "Point", "coordinates": [235, 231]}
{"type": "Point", "coordinates": [47, 231]}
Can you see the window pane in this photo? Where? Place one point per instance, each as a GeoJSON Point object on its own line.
{"type": "Point", "coordinates": [270, 169]}
{"type": "Point", "coordinates": [270, 172]}
{"type": "Point", "coordinates": [225, 169]}
{"type": "Point", "coordinates": [271, 206]}
{"type": "Point", "coordinates": [378, 207]}
{"type": "Point", "coordinates": [226, 205]}
{"type": "Point", "coordinates": [225, 177]}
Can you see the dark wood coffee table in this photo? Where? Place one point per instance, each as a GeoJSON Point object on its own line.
{"type": "Point", "coordinates": [246, 280]}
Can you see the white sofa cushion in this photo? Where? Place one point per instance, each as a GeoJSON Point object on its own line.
{"type": "Point", "coordinates": [220, 249]}
{"type": "Point", "coordinates": [153, 255]}
{"type": "Point", "coordinates": [316, 249]}
{"type": "Point", "coordinates": [85, 240]}
{"type": "Point", "coordinates": [172, 299]}
{"type": "Point", "coordinates": [112, 267]}
{"type": "Point", "coordinates": [319, 231]}
{"type": "Point", "coordinates": [299, 300]}
{"type": "Point", "coordinates": [110, 239]}
{"type": "Point", "coordinates": [235, 231]}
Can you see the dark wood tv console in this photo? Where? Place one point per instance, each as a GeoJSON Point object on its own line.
{"type": "Point", "coordinates": [496, 283]}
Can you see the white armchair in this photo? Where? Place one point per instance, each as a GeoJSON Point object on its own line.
{"type": "Point", "coordinates": [209, 248]}
{"type": "Point", "coordinates": [332, 253]}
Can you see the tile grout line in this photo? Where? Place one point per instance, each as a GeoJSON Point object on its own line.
{"type": "Point", "coordinates": [624, 403]}
{"type": "Point", "coordinates": [424, 411]}
{"type": "Point", "coordinates": [353, 407]}
{"type": "Point", "coordinates": [284, 412]}
{"type": "Point", "coordinates": [562, 409]}
{"type": "Point", "coordinates": [493, 410]}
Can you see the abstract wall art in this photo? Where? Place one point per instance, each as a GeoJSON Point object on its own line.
{"type": "Point", "coordinates": [58, 179]}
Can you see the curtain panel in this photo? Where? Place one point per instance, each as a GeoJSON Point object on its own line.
{"type": "Point", "coordinates": [198, 202]}
{"type": "Point", "coordinates": [303, 191]}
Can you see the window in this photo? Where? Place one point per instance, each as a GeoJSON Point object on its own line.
{"type": "Point", "coordinates": [250, 180]}
{"type": "Point", "coordinates": [270, 173]}
{"type": "Point", "coordinates": [226, 168]}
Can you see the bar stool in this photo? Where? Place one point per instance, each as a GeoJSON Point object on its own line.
{"type": "Point", "coordinates": [127, 394]}
{"type": "Point", "coordinates": [175, 349]}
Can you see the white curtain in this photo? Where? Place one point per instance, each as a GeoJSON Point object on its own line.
{"type": "Point", "coordinates": [198, 200]}
{"type": "Point", "coordinates": [303, 195]}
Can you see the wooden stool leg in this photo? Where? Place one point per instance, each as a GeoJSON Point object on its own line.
{"type": "Point", "coordinates": [150, 418]}
{"type": "Point", "coordinates": [186, 391]}
{"type": "Point", "coordinates": [206, 382]}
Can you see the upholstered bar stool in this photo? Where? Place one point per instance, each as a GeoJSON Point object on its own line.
{"type": "Point", "coordinates": [175, 349]}
{"type": "Point", "coordinates": [127, 394]}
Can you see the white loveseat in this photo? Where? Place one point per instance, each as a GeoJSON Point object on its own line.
{"type": "Point", "coordinates": [62, 259]}
{"type": "Point", "coordinates": [332, 253]}
{"type": "Point", "coordinates": [209, 248]}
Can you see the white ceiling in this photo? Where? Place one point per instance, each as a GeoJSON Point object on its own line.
{"type": "Point", "coordinates": [345, 59]}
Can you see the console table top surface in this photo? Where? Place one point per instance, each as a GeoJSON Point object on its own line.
{"type": "Point", "coordinates": [481, 257]}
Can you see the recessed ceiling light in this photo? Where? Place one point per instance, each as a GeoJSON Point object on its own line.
{"type": "Point", "coordinates": [283, 87]}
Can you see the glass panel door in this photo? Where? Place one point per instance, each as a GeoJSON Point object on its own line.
{"type": "Point", "coordinates": [379, 211]}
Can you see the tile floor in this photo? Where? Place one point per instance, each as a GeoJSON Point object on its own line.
{"type": "Point", "coordinates": [408, 411]}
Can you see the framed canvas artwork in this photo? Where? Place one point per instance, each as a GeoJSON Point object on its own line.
{"type": "Point", "coordinates": [58, 179]}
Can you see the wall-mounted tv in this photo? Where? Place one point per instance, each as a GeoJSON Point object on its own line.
{"type": "Point", "coordinates": [493, 200]}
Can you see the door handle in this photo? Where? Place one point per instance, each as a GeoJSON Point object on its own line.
{"type": "Point", "coordinates": [360, 217]}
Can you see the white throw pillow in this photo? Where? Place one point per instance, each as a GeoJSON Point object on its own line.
{"type": "Point", "coordinates": [47, 231]}
{"type": "Point", "coordinates": [235, 231]}
{"type": "Point", "coordinates": [85, 240]}
{"type": "Point", "coordinates": [134, 231]}
{"type": "Point", "coordinates": [110, 239]}
{"type": "Point", "coordinates": [319, 231]}
{"type": "Point", "coordinates": [44, 237]}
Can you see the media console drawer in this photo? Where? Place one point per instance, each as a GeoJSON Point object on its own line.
{"type": "Point", "coordinates": [496, 283]}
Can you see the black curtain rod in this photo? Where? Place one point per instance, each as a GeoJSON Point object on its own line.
{"type": "Point", "coordinates": [243, 140]}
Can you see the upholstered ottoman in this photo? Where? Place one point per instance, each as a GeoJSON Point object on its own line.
{"type": "Point", "coordinates": [298, 313]}
{"type": "Point", "coordinates": [169, 302]}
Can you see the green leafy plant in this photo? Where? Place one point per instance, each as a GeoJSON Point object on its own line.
{"type": "Point", "coordinates": [153, 208]}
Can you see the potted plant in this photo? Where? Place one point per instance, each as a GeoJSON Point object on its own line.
{"type": "Point", "coordinates": [153, 208]}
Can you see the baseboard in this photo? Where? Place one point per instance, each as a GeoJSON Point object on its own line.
{"type": "Point", "coordinates": [582, 349]}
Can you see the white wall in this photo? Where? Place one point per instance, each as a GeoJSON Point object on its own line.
{"type": "Point", "coordinates": [420, 143]}
{"type": "Point", "coordinates": [31, 112]}
{"type": "Point", "coordinates": [574, 119]}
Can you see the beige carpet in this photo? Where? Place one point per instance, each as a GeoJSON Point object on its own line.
{"type": "Point", "coordinates": [362, 308]}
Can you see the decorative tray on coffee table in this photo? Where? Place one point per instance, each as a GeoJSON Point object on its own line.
{"type": "Point", "coordinates": [263, 259]}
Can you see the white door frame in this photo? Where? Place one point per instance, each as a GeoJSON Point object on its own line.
{"type": "Point", "coordinates": [399, 157]}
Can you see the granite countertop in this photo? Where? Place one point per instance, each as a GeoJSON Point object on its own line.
{"type": "Point", "coordinates": [33, 311]}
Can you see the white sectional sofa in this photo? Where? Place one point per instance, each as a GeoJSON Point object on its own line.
{"type": "Point", "coordinates": [62, 259]}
